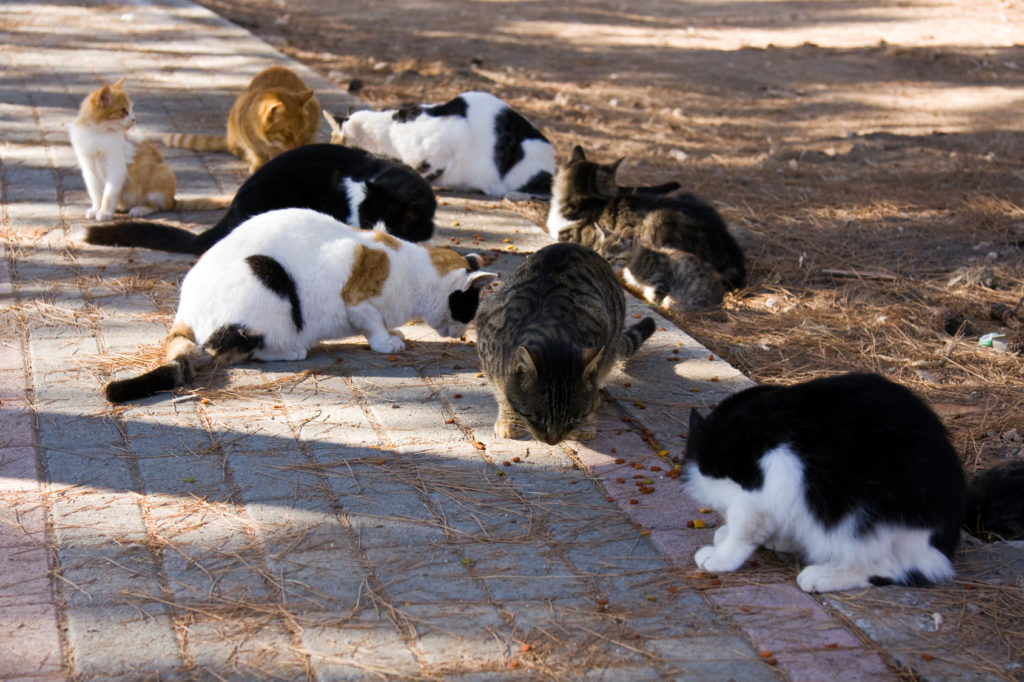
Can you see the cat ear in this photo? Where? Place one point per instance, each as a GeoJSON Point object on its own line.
{"type": "Point", "coordinates": [305, 96]}
{"type": "Point", "coordinates": [524, 361]}
{"type": "Point", "coordinates": [479, 279]}
{"type": "Point", "coordinates": [119, 84]}
{"type": "Point", "coordinates": [103, 96]}
{"type": "Point", "coordinates": [337, 136]}
{"type": "Point", "coordinates": [475, 261]}
{"type": "Point", "coordinates": [271, 109]}
{"type": "Point", "coordinates": [696, 421]}
{"type": "Point", "coordinates": [614, 165]}
{"type": "Point", "coordinates": [577, 154]}
{"type": "Point", "coordinates": [591, 359]}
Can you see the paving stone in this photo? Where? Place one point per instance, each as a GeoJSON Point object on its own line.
{"type": "Point", "coordinates": [29, 641]}
{"type": "Point", "coordinates": [455, 635]}
{"type": "Point", "coordinates": [82, 517]}
{"type": "Point", "coordinates": [106, 641]}
{"type": "Point", "coordinates": [244, 649]}
{"type": "Point", "coordinates": [343, 647]}
{"type": "Point", "coordinates": [108, 575]}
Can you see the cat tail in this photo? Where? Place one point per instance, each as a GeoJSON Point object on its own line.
{"type": "Point", "coordinates": [183, 357]}
{"type": "Point", "coordinates": [635, 335]}
{"type": "Point", "coordinates": [196, 142]}
{"type": "Point", "coordinates": [147, 234]}
{"type": "Point", "coordinates": [213, 203]}
{"type": "Point", "coordinates": [335, 125]}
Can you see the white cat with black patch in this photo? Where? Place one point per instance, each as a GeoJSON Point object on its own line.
{"type": "Point", "coordinates": [473, 142]}
{"type": "Point", "coordinates": [284, 280]}
{"type": "Point", "coordinates": [853, 473]}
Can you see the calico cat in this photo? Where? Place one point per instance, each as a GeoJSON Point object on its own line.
{"type": "Point", "coordinates": [853, 472]}
{"type": "Point", "coordinates": [275, 113]}
{"type": "Point", "coordinates": [672, 246]}
{"type": "Point", "coordinates": [121, 170]}
{"type": "Point", "coordinates": [353, 186]}
{"type": "Point", "coordinates": [286, 279]}
{"type": "Point", "coordinates": [548, 338]}
{"type": "Point", "coordinates": [474, 142]}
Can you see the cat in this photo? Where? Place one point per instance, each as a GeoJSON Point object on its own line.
{"type": "Point", "coordinates": [672, 246]}
{"type": "Point", "coordinates": [275, 113]}
{"type": "Point", "coordinates": [353, 186]}
{"type": "Point", "coordinates": [287, 279]}
{"type": "Point", "coordinates": [121, 170]}
{"type": "Point", "coordinates": [548, 338]}
{"type": "Point", "coordinates": [995, 502]}
{"type": "Point", "coordinates": [473, 142]}
{"type": "Point", "coordinates": [852, 472]}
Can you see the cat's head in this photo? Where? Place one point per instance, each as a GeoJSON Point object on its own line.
{"type": "Point", "coordinates": [582, 178]}
{"type": "Point", "coordinates": [367, 129]}
{"type": "Point", "coordinates": [109, 107]}
{"type": "Point", "coordinates": [403, 201]}
{"type": "Point", "coordinates": [285, 118]}
{"type": "Point", "coordinates": [462, 284]}
{"type": "Point", "coordinates": [553, 389]}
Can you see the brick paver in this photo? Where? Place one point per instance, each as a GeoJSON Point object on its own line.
{"type": "Point", "coordinates": [349, 516]}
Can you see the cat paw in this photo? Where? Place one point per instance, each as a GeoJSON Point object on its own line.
{"type": "Point", "coordinates": [506, 428]}
{"type": "Point", "coordinates": [709, 558]}
{"type": "Point", "coordinates": [139, 211]}
{"type": "Point", "coordinates": [583, 433]}
{"type": "Point", "coordinates": [387, 344]}
{"type": "Point", "coordinates": [822, 578]}
{"type": "Point", "coordinates": [104, 215]}
{"type": "Point", "coordinates": [90, 213]}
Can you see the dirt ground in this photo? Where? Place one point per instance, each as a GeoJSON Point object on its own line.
{"type": "Point", "coordinates": [870, 155]}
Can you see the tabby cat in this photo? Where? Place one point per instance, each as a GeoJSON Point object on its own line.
{"type": "Point", "coordinates": [351, 185]}
{"type": "Point", "coordinates": [473, 142]}
{"type": "Point", "coordinates": [995, 502]}
{"type": "Point", "coordinates": [854, 473]}
{"type": "Point", "coordinates": [284, 280]}
{"type": "Point", "coordinates": [275, 113]}
{"type": "Point", "coordinates": [548, 338]}
{"type": "Point", "coordinates": [121, 170]}
{"type": "Point", "coordinates": [672, 246]}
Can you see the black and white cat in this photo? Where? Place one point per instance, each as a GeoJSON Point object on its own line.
{"type": "Point", "coordinates": [352, 185]}
{"type": "Point", "coordinates": [854, 473]}
{"type": "Point", "coordinates": [474, 142]}
{"type": "Point", "coordinates": [671, 245]}
{"type": "Point", "coordinates": [287, 279]}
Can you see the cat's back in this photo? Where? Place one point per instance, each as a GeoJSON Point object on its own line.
{"type": "Point", "coordinates": [563, 288]}
{"type": "Point", "coordinates": [276, 77]}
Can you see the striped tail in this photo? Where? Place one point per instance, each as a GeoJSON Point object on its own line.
{"type": "Point", "coordinates": [196, 142]}
{"type": "Point", "coordinates": [183, 355]}
{"type": "Point", "coordinates": [635, 335]}
{"type": "Point", "coordinates": [213, 203]}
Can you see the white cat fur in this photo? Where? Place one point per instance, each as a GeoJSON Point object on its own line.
{"type": "Point", "coordinates": [104, 151]}
{"type": "Point", "coordinates": [777, 516]}
{"type": "Point", "coordinates": [317, 251]}
{"type": "Point", "coordinates": [461, 148]}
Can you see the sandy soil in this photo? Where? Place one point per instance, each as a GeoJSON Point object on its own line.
{"type": "Point", "coordinates": [870, 154]}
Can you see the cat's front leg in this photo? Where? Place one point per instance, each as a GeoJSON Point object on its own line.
{"type": "Point", "coordinates": [747, 530]}
{"type": "Point", "coordinates": [584, 429]}
{"type": "Point", "coordinates": [111, 194]}
{"type": "Point", "coordinates": [507, 425]}
{"type": "Point", "coordinates": [369, 321]}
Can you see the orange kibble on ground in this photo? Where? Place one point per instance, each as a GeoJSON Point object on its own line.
{"type": "Point", "coordinates": [620, 461]}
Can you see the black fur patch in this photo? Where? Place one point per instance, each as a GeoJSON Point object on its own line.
{"type": "Point", "coordinates": [511, 130]}
{"type": "Point", "coordinates": [463, 304]}
{"type": "Point", "coordinates": [539, 184]}
{"type": "Point", "coordinates": [233, 337]}
{"type": "Point", "coordinates": [455, 107]}
{"type": "Point", "coordinates": [277, 279]}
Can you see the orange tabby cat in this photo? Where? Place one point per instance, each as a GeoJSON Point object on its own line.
{"type": "Point", "coordinates": [121, 170]}
{"type": "Point", "coordinates": [275, 113]}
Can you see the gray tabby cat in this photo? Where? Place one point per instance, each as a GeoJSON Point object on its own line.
{"type": "Point", "coordinates": [548, 339]}
{"type": "Point", "coordinates": [671, 245]}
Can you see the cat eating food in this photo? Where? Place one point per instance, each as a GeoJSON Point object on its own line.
{"type": "Point", "coordinates": [121, 170]}
{"type": "Point", "coordinates": [473, 142]}
{"type": "Point", "coordinates": [287, 279]}
{"type": "Point", "coordinates": [351, 185]}
{"type": "Point", "coordinates": [854, 473]}
{"type": "Point", "coordinates": [276, 112]}
{"type": "Point", "coordinates": [549, 337]}
{"type": "Point", "coordinates": [672, 246]}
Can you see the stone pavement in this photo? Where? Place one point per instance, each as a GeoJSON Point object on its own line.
{"type": "Point", "coordinates": [352, 516]}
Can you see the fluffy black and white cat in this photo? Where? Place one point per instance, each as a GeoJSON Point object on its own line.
{"type": "Point", "coordinates": [473, 142]}
{"type": "Point", "coordinates": [352, 185]}
{"type": "Point", "coordinates": [854, 473]}
{"type": "Point", "coordinates": [672, 246]}
{"type": "Point", "coordinates": [287, 279]}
